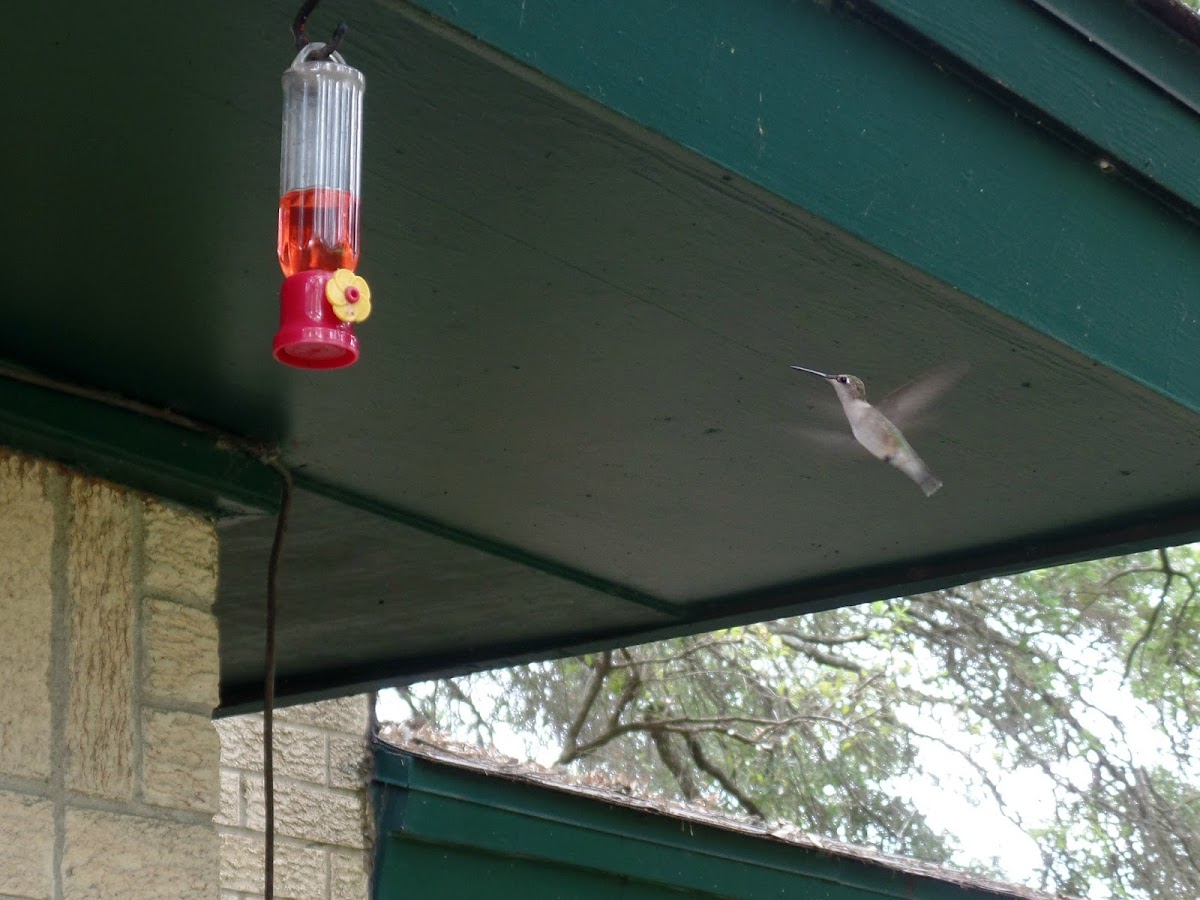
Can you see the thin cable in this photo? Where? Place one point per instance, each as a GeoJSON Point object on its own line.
{"type": "Point", "coordinates": [281, 521]}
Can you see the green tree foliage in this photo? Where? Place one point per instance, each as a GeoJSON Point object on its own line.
{"type": "Point", "coordinates": [1086, 674]}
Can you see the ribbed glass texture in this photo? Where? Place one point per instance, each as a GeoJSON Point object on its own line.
{"type": "Point", "coordinates": [320, 164]}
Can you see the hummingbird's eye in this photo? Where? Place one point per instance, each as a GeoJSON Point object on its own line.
{"type": "Point", "coordinates": [843, 379]}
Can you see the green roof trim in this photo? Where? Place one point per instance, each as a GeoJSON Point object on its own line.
{"type": "Point", "coordinates": [823, 106]}
{"type": "Point", "coordinates": [1102, 70]}
{"type": "Point", "coordinates": [457, 831]}
{"type": "Point", "coordinates": [196, 469]}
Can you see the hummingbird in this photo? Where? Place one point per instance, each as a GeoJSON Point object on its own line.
{"type": "Point", "coordinates": [877, 432]}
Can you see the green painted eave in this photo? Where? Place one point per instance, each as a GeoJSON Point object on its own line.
{"type": "Point", "coordinates": [187, 462]}
{"type": "Point", "coordinates": [840, 118]}
{"type": "Point", "coordinates": [598, 235]}
{"type": "Point", "coordinates": [1102, 75]}
{"type": "Point", "coordinates": [456, 830]}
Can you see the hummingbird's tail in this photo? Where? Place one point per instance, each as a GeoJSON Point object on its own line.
{"type": "Point", "coordinates": [930, 483]}
{"type": "Point", "coordinates": [913, 466]}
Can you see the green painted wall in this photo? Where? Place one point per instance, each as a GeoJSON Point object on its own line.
{"type": "Point", "coordinates": [448, 832]}
{"type": "Point", "coordinates": [453, 873]}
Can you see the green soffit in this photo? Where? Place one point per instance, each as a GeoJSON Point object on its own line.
{"type": "Point", "coordinates": [1073, 224]}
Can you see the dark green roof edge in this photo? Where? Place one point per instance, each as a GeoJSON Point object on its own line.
{"type": "Point", "coordinates": [1152, 529]}
{"type": "Point", "coordinates": [1094, 67]}
{"type": "Point", "coordinates": [1014, 187]}
{"type": "Point", "coordinates": [196, 469]}
{"type": "Point", "coordinates": [432, 802]}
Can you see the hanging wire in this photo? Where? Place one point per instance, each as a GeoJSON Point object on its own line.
{"type": "Point", "coordinates": [281, 522]}
{"type": "Point", "coordinates": [300, 35]}
{"type": "Point", "coordinates": [301, 40]}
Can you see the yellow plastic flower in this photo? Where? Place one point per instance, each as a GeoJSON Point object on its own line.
{"type": "Point", "coordinates": [349, 295]}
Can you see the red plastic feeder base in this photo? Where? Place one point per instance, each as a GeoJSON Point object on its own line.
{"type": "Point", "coordinates": [310, 336]}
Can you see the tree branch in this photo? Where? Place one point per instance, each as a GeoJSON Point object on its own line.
{"type": "Point", "coordinates": [595, 681]}
{"type": "Point", "coordinates": [708, 767]}
{"type": "Point", "coordinates": [779, 629]}
{"type": "Point", "coordinates": [1169, 571]}
{"type": "Point", "coordinates": [820, 656]}
{"type": "Point", "coordinates": [482, 726]}
{"type": "Point", "coordinates": [675, 765]}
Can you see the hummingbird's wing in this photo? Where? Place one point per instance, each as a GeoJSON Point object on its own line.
{"type": "Point", "coordinates": [826, 429]}
{"type": "Point", "coordinates": [904, 405]}
{"type": "Point", "coordinates": [838, 440]}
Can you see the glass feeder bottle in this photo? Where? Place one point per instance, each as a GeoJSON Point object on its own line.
{"type": "Point", "coordinates": [320, 165]}
{"type": "Point", "coordinates": [320, 168]}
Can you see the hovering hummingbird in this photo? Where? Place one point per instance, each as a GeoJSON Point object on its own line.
{"type": "Point", "coordinates": [875, 431]}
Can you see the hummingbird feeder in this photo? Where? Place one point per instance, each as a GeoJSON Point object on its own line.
{"type": "Point", "coordinates": [320, 172]}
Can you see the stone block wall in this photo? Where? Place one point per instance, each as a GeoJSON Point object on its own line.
{"type": "Point", "coordinates": [108, 653]}
{"type": "Point", "coordinates": [321, 818]}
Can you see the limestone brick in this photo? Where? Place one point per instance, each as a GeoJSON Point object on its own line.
{"type": "Point", "coordinates": [180, 556]}
{"type": "Point", "coordinates": [26, 846]}
{"type": "Point", "coordinates": [241, 742]}
{"type": "Point", "coordinates": [314, 814]}
{"type": "Point", "coordinates": [115, 794]}
{"type": "Point", "coordinates": [26, 608]}
{"type": "Point", "coordinates": [181, 663]}
{"type": "Point", "coordinates": [299, 750]}
{"type": "Point", "coordinates": [242, 858]}
{"type": "Point", "coordinates": [345, 714]}
{"type": "Point", "coordinates": [180, 760]}
{"type": "Point", "coordinates": [100, 724]}
{"type": "Point", "coordinates": [111, 855]}
{"type": "Point", "coordinates": [300, 869]}
{"type": "Point", "coordinates": [347, 876]}
{"type": "Point", "coordinates": [319, 801]}
{"type": "Point", "coordinates": [347, 761]}
{"type": "Point", "coordinates": [230, 804]}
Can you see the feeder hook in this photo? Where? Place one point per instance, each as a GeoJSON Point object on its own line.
{"type": "Point", "coordinates": [301, 38]}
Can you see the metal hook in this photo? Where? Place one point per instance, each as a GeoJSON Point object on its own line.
{"type": "Point", "coordinates": [301, 38]}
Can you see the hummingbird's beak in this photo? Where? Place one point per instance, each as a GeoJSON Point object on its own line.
{"type": "Point", "coordinates": [813, 372]}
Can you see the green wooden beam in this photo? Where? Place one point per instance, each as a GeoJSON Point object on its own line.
{"type": "Point", "coordinates": [872, 131]}
{"type": "Point", "coordinates": [193, 468]}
